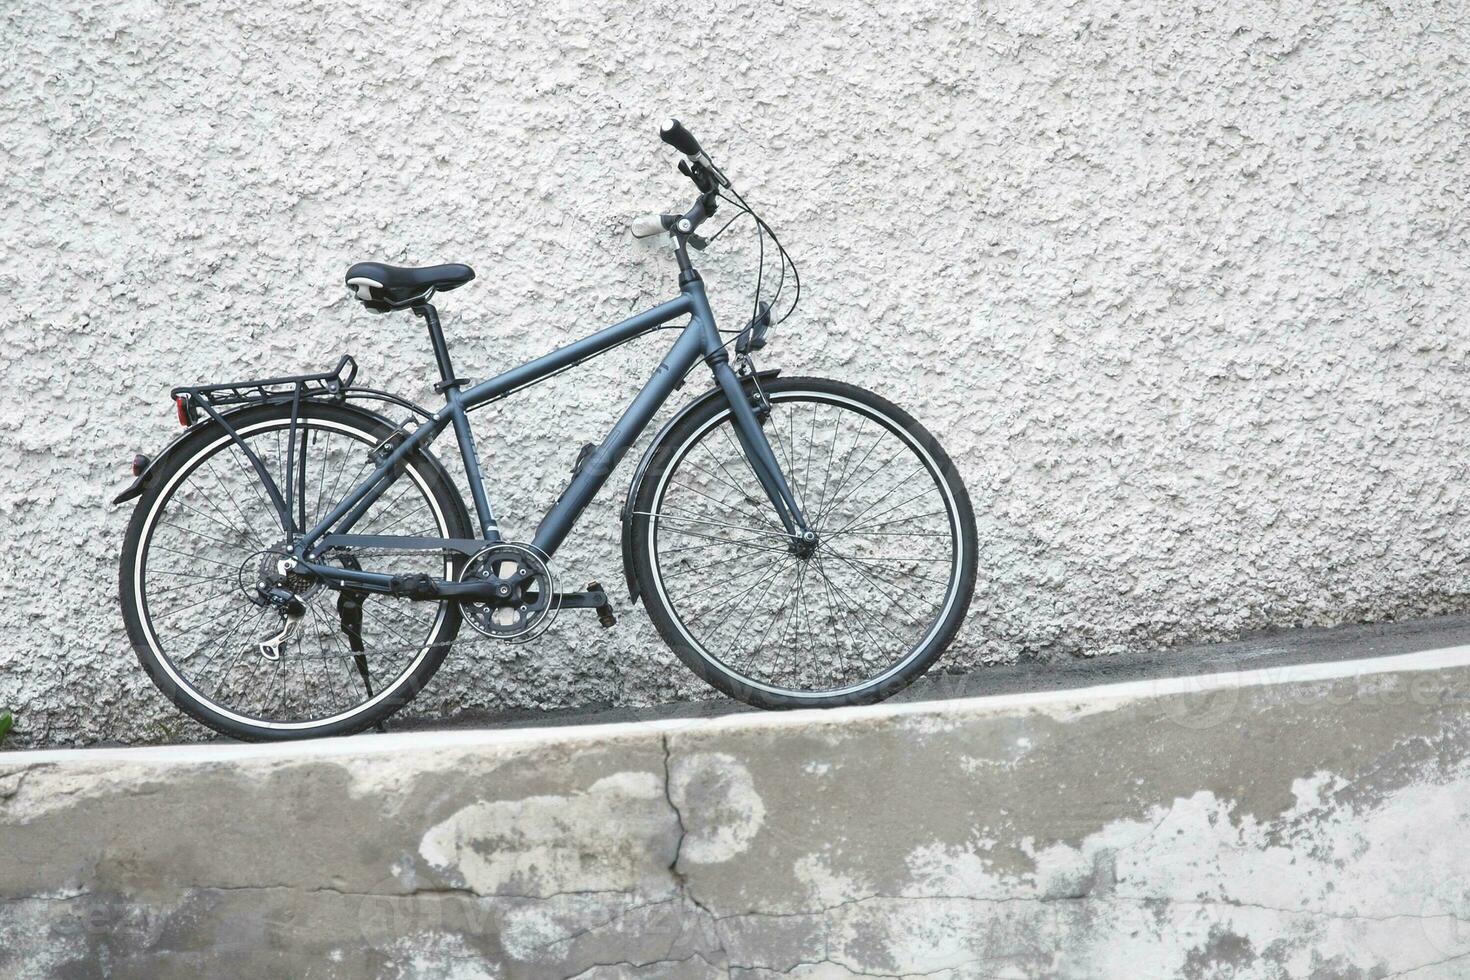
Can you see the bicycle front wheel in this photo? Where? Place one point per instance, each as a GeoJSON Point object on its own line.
{"type": "Point", "coordinates": [854, 621]}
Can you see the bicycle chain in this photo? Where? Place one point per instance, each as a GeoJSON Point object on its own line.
{"type": "Point", "coordinates": [473, 636]}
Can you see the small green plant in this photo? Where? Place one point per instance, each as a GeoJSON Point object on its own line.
{"type": "Point", "coordinates": [7, 720]}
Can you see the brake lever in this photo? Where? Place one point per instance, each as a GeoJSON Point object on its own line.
{"type": "Point", "coordinates": [702, 178]}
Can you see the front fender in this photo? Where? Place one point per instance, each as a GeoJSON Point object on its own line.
{"type": "Point", "coordinates": [658, 440]}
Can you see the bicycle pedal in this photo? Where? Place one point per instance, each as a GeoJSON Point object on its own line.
{"type": "Point", "coordinates": [415, 585]}
{"type": "Point", "coordinates": [604, 611]}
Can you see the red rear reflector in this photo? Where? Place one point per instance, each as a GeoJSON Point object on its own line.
{"type": "Point", "coordinates": [183, 411]}
{"type": "Point", "coordinates": [140, 463]}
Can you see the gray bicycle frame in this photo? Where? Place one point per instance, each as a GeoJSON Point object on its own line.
{"type": "Point", "coordinates": [700, 339]}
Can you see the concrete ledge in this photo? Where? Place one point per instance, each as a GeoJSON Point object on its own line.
{"type": "Point", "coordinates": [1304, 821]}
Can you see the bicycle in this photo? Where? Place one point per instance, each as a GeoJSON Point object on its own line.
{"type": "Point", "coordinates": [297, 565]}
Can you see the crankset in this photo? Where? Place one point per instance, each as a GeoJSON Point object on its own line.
{"type": "Point", "coordinates": [522, 598]}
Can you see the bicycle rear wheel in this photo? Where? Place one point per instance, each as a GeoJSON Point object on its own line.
{"type": "Point", "coordinates": [204, 534]}
{"type": "Point", "coordinates": [855, 621]}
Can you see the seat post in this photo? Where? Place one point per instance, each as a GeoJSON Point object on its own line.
{"type": "Point", "coordinates": [441, 350]}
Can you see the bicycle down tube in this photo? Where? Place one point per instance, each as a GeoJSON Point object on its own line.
{"type": "Point", "coordinates": [699, 339]}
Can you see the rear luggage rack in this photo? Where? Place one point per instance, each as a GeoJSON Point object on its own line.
{"type": "Point", "coordinates": [329, 385]}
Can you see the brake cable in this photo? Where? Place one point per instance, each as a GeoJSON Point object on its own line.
{"type": "Point", "coordinates": [780, 284]}
{"type": "Point", "coordinates": [761, 226]}
{"type": "Point", "coordinates": [738, 215]}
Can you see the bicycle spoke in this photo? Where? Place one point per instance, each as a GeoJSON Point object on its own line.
{"type": "Point", "coordinates": [922, 493]}
{"type": "Point", "coordinates": [741, 450]}
{"type": "Point", "coordinates": [864, 615]}
{"type": "Point", "coordinates": [222, 647]}
{"type": "Point", "coordinates": [867, 528]}
{"type": "Point", "coordinates": [811, 442]}
{"type": "Point", "coordinates": [197, 534]}
{"type": "Point", "coordinates": [721, 584]}
{"type": "Point", "coordinates": [760, 644]}
{"type": "Point", "coordinates": [839, 618]}
{"type": "Point", "coordinates": [739, 624]}
{"type": "Point", "coordinates": [243, 465]}
{"type": "Point", "coordinates": [864, 482]}
{"type": "Point", "coordinates": [796, 489]}
{"type": "Point", "coordinates": [745, 496]}
{"type": "Point", "coordinates": [715, 542]}
{"type": "Point", "coordinates": [827, 473]}
{"type": "Point", "coordinates": [673, 516]}
{"type": "Point", "coordinates": [212, 595]}
{"type": "Point", "coordinates": [706, 496]}
{"type": "Point", "coordinates": [192, 584]}
{"type": "Point", "coordinates": [724, 605]}
{"type": "Point", "coordinates": [893, 604]}
{"type": "Point", "coordinates": [730, 542]}
{"type": "Point", "coordinates": [228, 527]}
{"type": "Point", "coordinates": [784, 459]}
{"type": "Point", "coordinates": [249, 527]}
{"type": "Point", "coordinates": [223, 635]}
{"type": "Point", "coordinates": [794, 620]}
{"type": "Point", "coordinates": [891, 562]}
{"type": "Point", "coordinates": [847, 475]}
{"type": "Point", "coordinates": [186, 554]}
{"type": "Point", "coordinates": [715, 564]}
{"type": "Point", "coordinates": [321, 480]}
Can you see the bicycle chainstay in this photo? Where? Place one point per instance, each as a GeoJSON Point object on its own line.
{"type": "Point", "coordinates": [464, 635]}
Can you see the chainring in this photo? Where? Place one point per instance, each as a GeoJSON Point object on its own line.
{"type": "Point", "coordinates": [525, 606]}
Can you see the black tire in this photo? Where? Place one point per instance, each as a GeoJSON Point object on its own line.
{"type": "Point", "coordinates": [423, 472]}
{"type": "Point", "coordinates": [651, 511]}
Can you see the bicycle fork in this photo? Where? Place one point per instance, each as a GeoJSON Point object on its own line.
{"type": "Point", "coordinates": [762, 459]}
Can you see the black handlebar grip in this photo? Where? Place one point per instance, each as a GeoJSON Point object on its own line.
{"type": "Point", "coordinates": [673, 133]}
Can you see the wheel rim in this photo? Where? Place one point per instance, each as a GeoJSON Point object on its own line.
{"type": "Point", "coordinates": [224, 660]}
{"type": "Point", "coordinates": [843, 621]}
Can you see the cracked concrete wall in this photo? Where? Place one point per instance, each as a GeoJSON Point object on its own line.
{"type": "Point", "coordinates": [1231, 831]}
{"type": "Point", "coordinates": [1181, 287]}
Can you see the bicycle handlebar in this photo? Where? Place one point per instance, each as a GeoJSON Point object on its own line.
{"type": "Point", "coordinates": [681, 228]}
{"type": "Point", "coordinates": [648, 225]}
{"type": "Point", "coordinates": [673, 133]}
{"type": "Point", "coordinates": [699, 168]}
{"type": "Point", "coordinates": [696, 165]}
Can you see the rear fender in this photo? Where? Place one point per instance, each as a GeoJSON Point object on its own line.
{"type": "Point", "coordinates": [643, 464]}
{"type": "Point", "coordinates": [140, 483]}
{"type": "Point", "coordinates": [145, 479]}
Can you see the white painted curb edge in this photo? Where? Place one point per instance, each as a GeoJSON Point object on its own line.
{"type": "Point", "coordinates": [1108, 695]}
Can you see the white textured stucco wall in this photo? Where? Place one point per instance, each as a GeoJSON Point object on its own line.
{"type": "Point", "coordinates": [1183, 288]}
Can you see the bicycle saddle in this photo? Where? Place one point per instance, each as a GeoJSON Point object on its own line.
{"type": "Point", "coordinates": [393, 287]}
